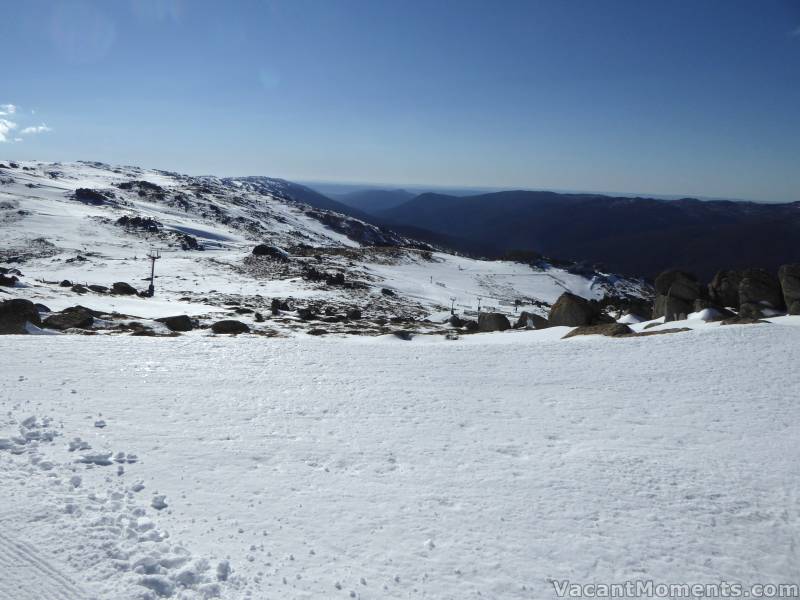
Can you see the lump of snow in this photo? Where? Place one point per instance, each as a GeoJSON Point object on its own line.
{"type": "Point", "coordinates": [159, 584]}
{"type": "Point", "coordinates": [159, 502]}
{"type": "Point", "coordinates": [223, 570]}
{"type": "Point", "coordinates": [100, 424]}
{"type": "Point", "coordinates": [102, 459]}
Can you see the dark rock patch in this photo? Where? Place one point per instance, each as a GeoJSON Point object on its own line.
{"type": "Point", "coordinates": [122, 288]}
{"type": "Point", "coordinates": [493, 322]}
{"type": "Point", "coordinates": [607, 329]}
{"type": "Point", "coordinates": [229, 326]}
{"type": "Point", "coordinates": [74, 317]}
{"type": "Point", "coordinates": [177, 323]}
{"type": "Point", "coordinates": [15, 313]}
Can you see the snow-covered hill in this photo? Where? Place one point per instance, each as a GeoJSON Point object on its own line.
{"type": "Point", "coordinates": [93, 225]}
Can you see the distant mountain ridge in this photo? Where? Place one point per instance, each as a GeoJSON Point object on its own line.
{"type": "Point", "coordinates": [631, 235]}
{"type": "Point", "coordinates": [373, 201]}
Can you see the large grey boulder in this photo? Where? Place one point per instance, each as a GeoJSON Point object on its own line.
{"type": "Point", "coordinates": [573, 311]}
{"type": "Point", "coordinates": [724, 289]}
{"type": "Point", "coordinates": [15, 313]}
{"type": "Point", "coordinates": [672, 309]}
{"type": "Point", "coordinates": [493, 322]}
{"type": "Point", "coordinates": [74, 317]}
{"type": "Point", "coordinates": [789, 276]}
{"type": "Point", "coordinates": [677, 284]}
{"type": "Point", "coordinates": [759, 290]}
{"type": "Point", "coordinates": [528, 320]}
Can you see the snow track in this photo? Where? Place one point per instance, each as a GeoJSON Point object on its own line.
{"type": "Point", "coordinates": [27, 575]}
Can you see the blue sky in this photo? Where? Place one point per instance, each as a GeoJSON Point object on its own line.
{"type": "Point", "coordinates": [694, 97]}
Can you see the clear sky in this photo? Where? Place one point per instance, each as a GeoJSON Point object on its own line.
{"type": "Point", "coordinates": [667, 97]}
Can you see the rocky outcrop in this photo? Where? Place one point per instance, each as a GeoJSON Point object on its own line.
{"type": "Point", "coordinates": [74, 317]}
{"type": "Point", "coordinates": [759, 294]}
{"type": "Point", "coordinates": [493, 322]}
{"type": "Point", "coordinates": [676, 292]}
{"type": "Point", "coordinates": [573, 311]}
{"type": "Point", "coordinates": [724, 289]}
{"type": "Point", "coordinates": [15, 314]}
{"type": "Point", "coordinates": [789, 276]}
{"type": "Point", "coordinates": [529, 320]}
{"type": "Point", "coordinates": [677, 284]}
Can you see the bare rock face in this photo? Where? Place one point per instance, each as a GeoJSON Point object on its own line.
{"type": "Point", "coordinates": [230, 326]}
{"type": "Point", "coordinates": [493, 322]}
{"type": "Point", "coordinates": [789, 276]}
{"type": "Point", "coordinates": [724, 289]}
{"type": "Point", "coordinates": [759, 290]}
{"type": "Point", "coordinates": [14, 314]}
{"type": "Point", "coordinates": [607, 329]}
{"type": "Point", "coordinates": [573, 311]}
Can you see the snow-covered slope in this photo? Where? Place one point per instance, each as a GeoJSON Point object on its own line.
{"type": "Point", "coordinates": [368, 467]}
{"type": "Point", "coordinates": [205, 229]}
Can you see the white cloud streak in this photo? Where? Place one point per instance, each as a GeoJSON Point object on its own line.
{"type": "Point", "coordinates": [36, 129]}
{"type": "Point", "coordinates": [5, 128]}
{"type": "Point", "coordinates": [7, 109]}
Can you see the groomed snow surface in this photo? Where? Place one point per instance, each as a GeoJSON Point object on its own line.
{"type": "Point", "coordinates": [484, 467]}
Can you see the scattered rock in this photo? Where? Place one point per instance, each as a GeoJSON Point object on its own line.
{"type": "Point", "coordinates": [306, 314]}
{"type": "Point", "coordinates": [177, 323]}
{"type": "Point", "coordinates": [79, 289]}
{"type": "Point", "coordinates": [317, 331]}
{"type": "Point", "coordinates": [387, 292]}
{"type": "Point", "coordinates": [74, 317]}
{"type": "Point", "coordinates": [42, 308]}
{"type": "Point", "coordinates": [15, 314]}
{"type": "Point", "coordinates": [528, 320]}
{"type": "Point", "coordinates": [607, 329]}
{"type": "Point", "coordinates": [403, 334]}
{"type": "Point", "coordinates": [573, 311]}
{"type": "Point", "coordinates": [493, 322]}
{"type": "Point", "coordinates": [100, 289]}
{"type": "Point", "coordinates": [122, 288]}
{"type": "Point", "coordinates": [230, 326]}
{"type": "Point", "coordinates": [353, 314]}
{"type": "Point", "coordinates": [66, 283]}
{"type": "Point", "coordinates": [258, 317]}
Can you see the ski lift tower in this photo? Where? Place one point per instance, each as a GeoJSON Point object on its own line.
{"type": "Point", "coordinates": [153, 255]}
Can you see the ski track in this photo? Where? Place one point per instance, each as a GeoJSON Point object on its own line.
{"type": "Point", "coordinates": [26, 575]}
